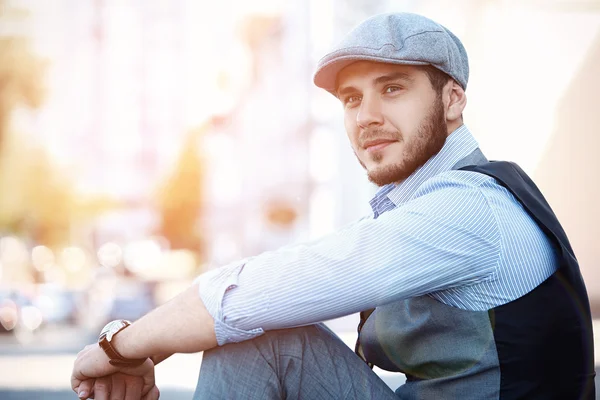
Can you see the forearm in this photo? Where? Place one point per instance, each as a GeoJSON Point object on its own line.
{"type": "Point", "coordinates": [183, 325]}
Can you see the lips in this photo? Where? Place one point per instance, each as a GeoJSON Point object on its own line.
{"type": "Point", "coordinates": [376, 144]}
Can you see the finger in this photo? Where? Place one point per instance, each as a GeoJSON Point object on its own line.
{"type": "Point", "coordinates": [85, 350]}
{"type": "Point", "coordinates": [75, 382]}
{"type": "Point", "coordinates": [117, 391]}
{"type": "Point", "coordinates": [153, 394]}
{"type": "Point", "coordinates": [85, 388]}
{"type": "Point", "coordinates": [102, 388]}
{"type": "Point", "coordinates": [146, 370]}
{"type": "Point", "coordinates": [134, 388]}
{"type": "Point", "coordinates": [76, 376]}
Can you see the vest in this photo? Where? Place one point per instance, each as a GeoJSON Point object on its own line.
{"type": "Point", "coordinates": [539, 346]}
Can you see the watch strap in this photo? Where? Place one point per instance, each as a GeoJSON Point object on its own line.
{"type": "Point", "coordinates": [115, 358]}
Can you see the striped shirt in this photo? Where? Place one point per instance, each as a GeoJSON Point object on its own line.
{"type": "Point", "coordinates": [457, 236]}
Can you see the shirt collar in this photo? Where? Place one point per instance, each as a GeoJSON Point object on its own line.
{"type": "Point", "coordinates": [458, 145]}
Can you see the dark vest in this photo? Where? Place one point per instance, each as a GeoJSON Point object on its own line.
{"type": "Point", "coordinates": [539, 346]}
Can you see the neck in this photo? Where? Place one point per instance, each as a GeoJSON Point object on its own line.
{"type": "Point", "coordinates": [454, 125]}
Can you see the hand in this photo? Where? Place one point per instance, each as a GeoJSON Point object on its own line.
{"type": "Point", "coordinates": [92, 362]}
{"type": "Point", "coordinates": [118, 386]}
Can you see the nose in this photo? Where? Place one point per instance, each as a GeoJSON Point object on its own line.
{"type": "Point", "coordinates": [369, 113]}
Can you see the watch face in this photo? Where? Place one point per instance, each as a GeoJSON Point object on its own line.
{"type": "Point", "coordinates": [113, 327]}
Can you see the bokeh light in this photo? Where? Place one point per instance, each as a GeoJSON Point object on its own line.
{"type": "Point", "coordinates": [73, 259]}
{"type": "Point", "coordinates": [110, 254]}
{"type": "Point", "coordinates": [42, 258]}
{"type": "Point", "coordinates": [141, 255]}
{"type": "Point", "coordinates": [13, 251]}
{"type": "Point", "coordinates": [9, 316]}
{"type": "Point", "coordinates": [31, 317]}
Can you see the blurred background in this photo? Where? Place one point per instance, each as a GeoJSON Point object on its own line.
{"type": "Point", "coordinates": [143, 142]}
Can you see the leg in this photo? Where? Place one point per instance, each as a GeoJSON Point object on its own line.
{"type": "Point", "coordinates": [302, 363]}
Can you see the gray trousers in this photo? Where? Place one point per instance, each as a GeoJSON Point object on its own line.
{"type": "Point", "coordinates": [301, 363]}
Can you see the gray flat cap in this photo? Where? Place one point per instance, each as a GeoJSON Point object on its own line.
{"type": "Point", "coordinates": [398, 38]}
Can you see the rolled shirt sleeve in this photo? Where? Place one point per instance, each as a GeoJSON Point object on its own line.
{"type": "Point", "coordinates": [212, 287]}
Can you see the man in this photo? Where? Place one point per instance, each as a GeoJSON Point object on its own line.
{"type": "Point", "coordinates": [465, 279]}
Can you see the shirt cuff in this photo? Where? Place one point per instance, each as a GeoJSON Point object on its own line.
{"type": "Point", "coordinates": [212, 287]}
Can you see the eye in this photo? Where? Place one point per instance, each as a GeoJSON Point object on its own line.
{"type": "Point", "coordinates": [392, 89]}
{"type": "Point", "coordinates": [351, 100]}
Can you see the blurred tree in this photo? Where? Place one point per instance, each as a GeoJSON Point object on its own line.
{"type": "Point", "coordinates": [49, 198]}
{"type": "Point", "coordinates": [180, 198]}
{"type": "Point", "coordinates": [38, 199]}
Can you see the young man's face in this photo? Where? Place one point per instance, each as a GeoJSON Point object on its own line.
{"type": "Point", "coordinates": [394, 118]}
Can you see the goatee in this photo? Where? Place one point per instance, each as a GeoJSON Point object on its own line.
{"type": "Point", "coordinates": [428, 141]}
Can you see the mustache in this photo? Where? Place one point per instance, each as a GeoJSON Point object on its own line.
{"type": "Point", "coordinates": [378, 134]}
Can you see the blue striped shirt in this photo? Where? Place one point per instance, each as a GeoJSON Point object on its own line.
{"type": "Point", "coordinates": [457, 236]}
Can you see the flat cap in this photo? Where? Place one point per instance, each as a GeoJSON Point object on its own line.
{"type": "Point", "coordinates": [396, 38]}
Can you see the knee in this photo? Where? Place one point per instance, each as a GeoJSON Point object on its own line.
{"type": "Point", "coordinates": [269, 346]}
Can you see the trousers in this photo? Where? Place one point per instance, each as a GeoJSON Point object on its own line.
{"type": "Point", "coordinates": [308, 362]}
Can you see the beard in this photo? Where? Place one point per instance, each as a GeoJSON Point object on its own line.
{"type": "Point", "coordinates": [428, 141]}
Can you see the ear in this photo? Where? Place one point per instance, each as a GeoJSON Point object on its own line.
{"type": "Point", "coordinates": [457, 100]}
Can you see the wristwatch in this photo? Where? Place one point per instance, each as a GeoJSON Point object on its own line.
{"type": "Point", "coordinates": [104, 340]}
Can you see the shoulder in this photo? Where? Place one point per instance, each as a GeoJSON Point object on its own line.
{"type": "Point", "coordinates": [454, 198]}
{"type": "Point", "coordinates": [457, 183]}
{"type": "Point", "coordinates": [463, 196]}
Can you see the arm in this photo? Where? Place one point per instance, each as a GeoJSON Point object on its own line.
{"type": "Point", "coordinates": [158, 358]}
{"type": "Point", "coordinates": [445, 236]}
{"type": "Point", "coordinates": [182, 325]}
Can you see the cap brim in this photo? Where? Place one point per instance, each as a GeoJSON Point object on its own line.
{"type": "Point", "coordinates": [326, 75]}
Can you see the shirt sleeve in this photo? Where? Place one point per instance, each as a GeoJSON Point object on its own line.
{"type": "Point", "coordinates": [446, 236]}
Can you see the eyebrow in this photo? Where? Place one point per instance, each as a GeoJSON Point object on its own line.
{"type": "Point", "coordinates": [395, 76]}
